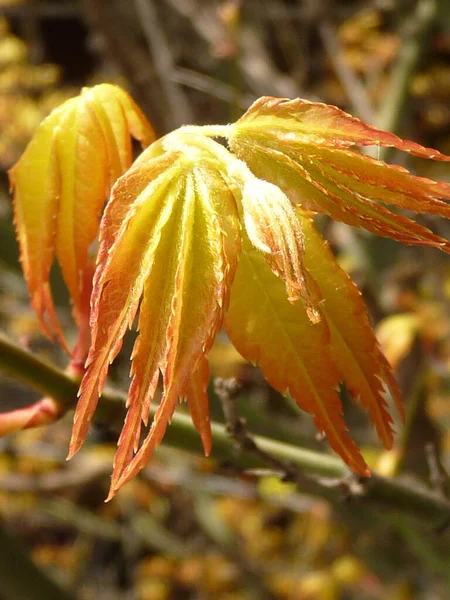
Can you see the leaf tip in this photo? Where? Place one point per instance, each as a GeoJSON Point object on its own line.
{"type": "Point", "coordinates": [112, 492]}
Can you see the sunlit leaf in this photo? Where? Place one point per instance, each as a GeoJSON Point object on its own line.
{"type": "Point", "coordinates": [322, 124]}
{"type": "Point", "coordinates": [170, 254]}
{"type": "Point", "coordinates": [292, 352]}
{"type": "Point", "coordinates": [353, 344]}
{"type": "Point", "coordinates": [198, 402]}
{"type": "Point", "coordinates": [129, 233]}
{"type": "Point", "coordinates": [304, 147]}
{"type": "Point", "coordinates": [176, 254]}
{"type": "Point", "coordinates": [310, 361]}
{"type": "Point", "coordinates": [61, 183]}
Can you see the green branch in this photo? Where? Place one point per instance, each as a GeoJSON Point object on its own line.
{"type": "Point", "coordinates": [330, 472]}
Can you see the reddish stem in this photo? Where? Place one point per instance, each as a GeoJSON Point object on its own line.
{"type": "Point", "coordinates": [82, 315]}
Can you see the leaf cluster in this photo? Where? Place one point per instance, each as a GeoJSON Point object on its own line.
{"type": "Point", "coordinates": [198, 235]}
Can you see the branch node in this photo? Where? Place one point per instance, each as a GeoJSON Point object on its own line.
{"type": "Point", "coordinates": [227, 390]}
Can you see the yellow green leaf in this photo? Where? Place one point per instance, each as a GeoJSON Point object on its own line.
{"type": "Point", "coordinates": [353, 344]}
{"type": "Point", "coordinates": [267, 214]}
{"type": "Point", "coordinates": [175, 253]}
{"type": "Point", "coordinates": [125, 258]}
{"type": "Point", "coordinates": [170, 252]}
{"type": "Point", "coordinates": [35, 180]}
{"type": "Point", "coordinates": [304, 148]}
{"type": "Point", "coordinates": [292, 352]}
{"type": "Point", "coordinates": [61, 183]}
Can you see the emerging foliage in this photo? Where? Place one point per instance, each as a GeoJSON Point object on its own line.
{"type": "Point", "coordinates": [60, 186]}
{"type": "Point", "coordinates": [196, 236]}
{"type": "Point", "coordinates": [304, 148]}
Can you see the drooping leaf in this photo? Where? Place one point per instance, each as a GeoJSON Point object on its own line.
{"type": "Point", "coordinates": [310, 360]}
{"type": "Point", "coordinates": [170, 240]}
{"type": "Point", "coordinates": [274, 229]}
{"type": "Point", "coordinates": [61, 183]}
{"type": "Point", "coordinates": [304, 147]}
{"type": "Point", "coordinates": [268, 216]}
{"type": "Point", "coordinates": [198, 402]}
{"type": "Point", "coordinates": [292, 352]}
{"type": "Point", "coordinates": [175, 252]}
{"type": "Point", "coordinates": [353, 344]}
{"type": "Point", "coordinates": [129, 233]}
{"type": "Point", "coordinates": [194, 280]}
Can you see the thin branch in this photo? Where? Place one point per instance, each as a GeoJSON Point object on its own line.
{"type": "Point", "coordinates": [161, 53]}
{"type": "Point", "coordinates": [227, 391]}
{"type": "Point", "coordinates": [210, 85]}
{"type": "Point", "coordinates": [356, 92]}
{"type": "Point", "coordinates": [79, 474]}
{"type": "Point", "coordinates": [414, 35]}
{"type": "Point", "coordinates": [390, 493]}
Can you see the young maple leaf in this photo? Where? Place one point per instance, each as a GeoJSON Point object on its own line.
{"type": "Point", "coordinates": [60, 186]}
{"type": "Point", "coordinates": [196, 236]}
{"type": "Point", "coordinates": [199, 237]}
{"type": "Point", "coordinates": [169, 239]}
{"type": "Point", "coordinates": [304, 148]}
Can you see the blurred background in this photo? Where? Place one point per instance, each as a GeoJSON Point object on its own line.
{"type": "Point", "coordinates": [187, 528]}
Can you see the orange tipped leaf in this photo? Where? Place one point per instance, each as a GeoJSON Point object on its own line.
{"type": "Point", "coordinates": [119, 280]}
{"type": "Point", "coordinates": [292, 352]}
{"type": "Point", "coordinates": [304, 147]}
{"type": "Point", "coordinates": [182, 310]}
{"type": "Point", "coordinates": [353, 344]}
